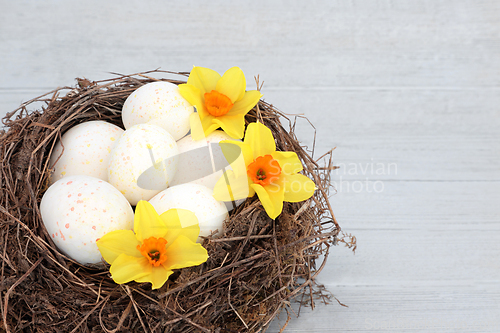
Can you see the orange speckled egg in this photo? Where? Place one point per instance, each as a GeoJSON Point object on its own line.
{"type": "Point", "coordinates": [86, 151]}
{"type": "Point", "coordinates": [78, 210]}
{"type": "Point", "coordinates": [143, 162]}
{"type": "Point", "coordinates": [158, 103]}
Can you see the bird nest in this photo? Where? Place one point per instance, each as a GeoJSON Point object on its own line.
{"type": "Point", "coordinates": [256, 266]}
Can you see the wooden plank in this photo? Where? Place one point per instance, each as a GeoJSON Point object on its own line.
{"type": "Point", "coordinates": [294, 44]}
{"type": "Point", "coordinates": [443, 309]}
{"type": "Point", "coordinates": [419, 231]}
{"type": "Point", "coordinates": [421, 134]}
{"type": "Point", "coordinates": [427, 261]}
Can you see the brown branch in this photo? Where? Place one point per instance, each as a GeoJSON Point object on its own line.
{"type": "Point", "coordinates": [11, 289]}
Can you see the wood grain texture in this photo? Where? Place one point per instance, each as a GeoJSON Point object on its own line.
{"type": "Point", "coordinates": [408, 92]}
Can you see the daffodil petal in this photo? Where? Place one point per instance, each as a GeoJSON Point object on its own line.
{"type": "Point", "coordinates": [271, 196]}
{"type": "Point", "coordinates": [127, 268]}
{"type": "Point", "coordinates": [157, 277]}
{"type": "Point", "coordinates": [232, 84]}
{"type": "Point", "coordinates": [184, 253]}
{"type": "Point", "coordinates": [194, 97]}
{"type": "Point", "coordinates": [298, 188]}
{"type": "Point", "coordinates": [114, 243]}
{"type": "Point", "coordinates": [201, 128]}
{"type": "Point", "coordinates": [249, 100]}
{"type": "Point", "coordinates": [231, 188]}
{"type": "Point", "coordinates": [289, 162]}
{"type": "Point", "coordinates": [240, 158]}
{"type": "Point", "coordinates": [205, 79]}
{"type": "Point", "coordinates": [234, 126]}
{"type": "Point", "coordinates": [209, 124]}
{"type": "Point", "coordinates": [260, 139]}
{"type": "Point", "coordinates": [147, 222]}
{"type": "Point", "coordinates": [180, 222]}
{"type": "Point", "coordinates": [197, 132]}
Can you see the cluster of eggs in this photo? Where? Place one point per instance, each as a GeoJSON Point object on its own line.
{"type": "Point", "coordinates": [101, 171]}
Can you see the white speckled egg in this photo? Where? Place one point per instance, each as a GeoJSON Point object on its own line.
{"type": "Point", "coordinates": [196, 157]}
{"type": "Point", "coordinates": [196, 198]}
{"type": "Point", "coordinates": [143, 162]}
{"type": "Point", "coordinates": [87, 148]}
{"type": "Point", "coordinates": [78, 210]}
{"type": "Point", "coordinates": [158, 103]}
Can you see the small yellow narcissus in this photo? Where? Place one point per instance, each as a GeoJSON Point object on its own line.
{"type": "Point", "coordinates": [220, 101]}
{"type": "Point", "coordinates": [272, 174]}
{"type": "Point", "coordinates": [157, 245]}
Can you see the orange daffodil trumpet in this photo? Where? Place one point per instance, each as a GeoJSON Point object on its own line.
{"type": "Point", "coordinates": [220, 101]}
{"type": "Point", "coordinates": [258, 168]}
{"type": "Point", "coordinates": [158, 244]}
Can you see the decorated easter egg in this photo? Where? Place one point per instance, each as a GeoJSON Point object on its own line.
{"type": "Point", "coordinates": [158, 103]}
{"type": "Point", "coordinates": [202, 161]}
{"type": "Point", "coordinates": [78, 210]}
{"type": "Point", "coordinates": [84, 150]}
{"type": "Point", "coordinates": [196, 198]}
{"type": "Point", "coordinates": [143, 162]}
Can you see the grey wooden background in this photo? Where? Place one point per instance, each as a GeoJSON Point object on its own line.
{"type": "Point", "coordinates": [408, 92]}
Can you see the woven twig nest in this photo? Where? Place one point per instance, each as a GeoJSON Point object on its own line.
{"type": "Point", "coordinates": [254, 269]}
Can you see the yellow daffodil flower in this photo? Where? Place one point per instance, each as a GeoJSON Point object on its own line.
{"type": "Point", "coordinates": [157, 245]}
{"type": "Point", "coordinates": [220, 101]}
{"type": "Point", "coordinates": [260, 169]}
